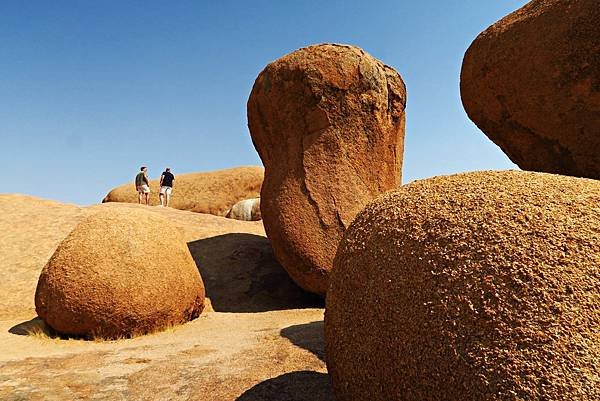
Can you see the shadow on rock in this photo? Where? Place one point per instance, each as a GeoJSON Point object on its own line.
{"type": "Point", "coordinates": [38, 328]}
{"type": "Point", "coordinates": [309, 336]}
{"type": "Point", "coordinates": [241, 274]}
{"type": "Point", "coordinates": [293, 386]}
{"type": "Point", "coordinates": [33, 327]}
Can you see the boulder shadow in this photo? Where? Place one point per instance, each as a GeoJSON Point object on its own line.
{"type": "Point", "coordinates": [241, 274]}
{"type": "Point", "coordinates": [309, 336]}
{"type": "Point", "coordinates": [35, 327]}
{"type": "Point", "coordinates": [294, 386]}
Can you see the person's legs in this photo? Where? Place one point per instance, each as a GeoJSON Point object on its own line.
{"type": "Point", "coordinates": [139, 197]}
{"type": "Point", "coordinates": [163, 191]}
{"type": "Point", "coordinates": [145, 189]}
{"type": "Point", "coordinates": [168, 196]}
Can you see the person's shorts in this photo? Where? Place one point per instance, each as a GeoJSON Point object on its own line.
{"type": "Point", "coordinates": [144, 189]}
{"type": "Point", "coordinates": [166, 190]}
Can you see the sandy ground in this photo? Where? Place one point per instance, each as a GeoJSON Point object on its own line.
{"type": "Point", "coordinates": [262, 342]}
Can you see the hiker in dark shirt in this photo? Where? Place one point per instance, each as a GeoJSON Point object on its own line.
{"type": "Point", "coordinates": [142, 185]}
{"type": "Point", "coordinates": [166, 187]}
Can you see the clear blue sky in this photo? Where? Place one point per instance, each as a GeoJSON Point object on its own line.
{"type": "Point", "coordinates": [91, 90]}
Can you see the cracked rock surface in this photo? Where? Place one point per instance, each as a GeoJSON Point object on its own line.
{"type": "Point", "coordinates": [328, 123]}
{"type": "Point", "coordinates": [531, 83]}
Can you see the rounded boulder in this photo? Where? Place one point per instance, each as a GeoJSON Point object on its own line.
{"type": "Point", "coordinates": [531, 83]}
{"type": "Point", "coordinates": [245, 210]}
{"type": "Point", "coordinates": [472, 287]}
{"type": "Point", "coordinates": [121, 272]}
{"type": "Point", "coordinates": [328, 123]}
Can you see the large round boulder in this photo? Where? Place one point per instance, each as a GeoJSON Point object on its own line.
{"type": "Point", "coordinates": [120, 272]}
{"type": "Point", "coordinates": [472, 287]}
{"type": "Point", "coordinates": [531, 83]}
{"type": "Point", "coordinates": [212, 192]}
{"type": "Point", "coordinates": [328, 123]}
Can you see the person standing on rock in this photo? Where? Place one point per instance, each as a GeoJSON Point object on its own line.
{"type": "Point", "coordinates": [142, 185]}
{"type": "Point", "coordinates": [166, 186]}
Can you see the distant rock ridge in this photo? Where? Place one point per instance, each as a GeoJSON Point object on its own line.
{"type": "Point", "coordinates": [213, 192]}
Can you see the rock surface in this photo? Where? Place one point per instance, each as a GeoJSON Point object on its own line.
{"type": "Point", "coordinates": [245, 210]}
{"type": "Point", "coordinates": [120, 273]}
{"type": "Point", "coordinates": [219, 356]}
{"type": "Point", "coordinates": [328, 124]}
{"type": "Point", "coordinates": [31, 230]}
{"type": "Point", "coordinates": [213, 192]}
{"type": "Point", "coordinates": [235, 258]}
{"type": "Point", "coordinates": [267, 346]}
{"type": "Point", "coordinates": [478, 286]}
{"type": "Point", "coordinates": [531, 83]}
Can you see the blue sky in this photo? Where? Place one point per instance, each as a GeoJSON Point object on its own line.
{"type": "Point", "coordinates": [91, 90]}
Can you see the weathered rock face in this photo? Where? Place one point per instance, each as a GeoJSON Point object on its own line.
{"type": "Point", "coordinates": [328, 124]}
{"type": "Point", "coordinates": [531, 83]}
{"type": "Point", "coordinates": [31, 230]}
{"type": "Point", "coordinates": [246, 210]}
{"type": "Point", "coordinates": [212, 192]}
{"type": "Point", "coordinates": [119, 273]}
{"type": "Point", "coordinates": [479, 286]}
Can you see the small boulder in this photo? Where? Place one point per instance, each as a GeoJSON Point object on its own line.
{"type": "Point", "coordinates": [247, 210]}
{"type": "Point", "coordinates": [472, 287]}
{"type": "Point", "coordinates": [531, 83]}
{"type": "Point", "coordinates": [328, 123]}
{"type": "Point", "coordinates": [121, 272]}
